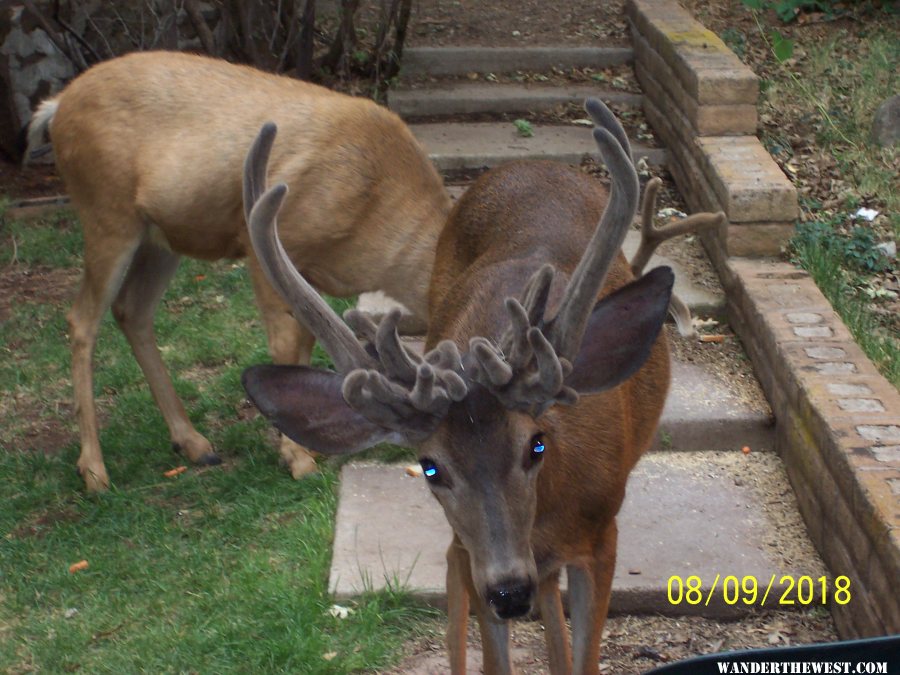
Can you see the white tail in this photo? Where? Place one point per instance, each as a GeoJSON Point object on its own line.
{"type": "Point", "coordinates": [38, 130]}
{"type": "Point", "coordinates": [150, 147]}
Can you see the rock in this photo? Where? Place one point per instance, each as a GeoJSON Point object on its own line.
{"type": "Point", "coordinates": [31, 69]}
{"type": "Point", "coordinates": [886, 123]}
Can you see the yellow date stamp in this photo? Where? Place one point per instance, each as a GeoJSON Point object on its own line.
{"type": "Point", "coordinates": [748, 590]}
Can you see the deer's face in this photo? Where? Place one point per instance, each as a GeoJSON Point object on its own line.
{"type": "Point", "coordinates": [482, 465]}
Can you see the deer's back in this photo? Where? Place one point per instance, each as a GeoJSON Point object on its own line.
{"type": "Point", "coordinates": [168, 133]}
{"type": "Point", "coordinates": [501, 231]}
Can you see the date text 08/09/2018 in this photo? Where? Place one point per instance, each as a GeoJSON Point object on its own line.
{"type": "Point", "coordinates": [783, 590]}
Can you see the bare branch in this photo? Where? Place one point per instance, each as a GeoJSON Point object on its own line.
{"type": "Point", "coordinates": [207, 39]}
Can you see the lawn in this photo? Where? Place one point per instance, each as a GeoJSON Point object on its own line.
{"type": "Point", "coordinates": [817, 103]}
{"type": "Point", "coordinates": [216, 570]}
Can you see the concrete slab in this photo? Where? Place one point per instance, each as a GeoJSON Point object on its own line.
{"type": "Point", "coordinates": [703, 412]}
{"type": "Point", "coordinates": [697, 514]}
{"type": "Point", "coordinates": [472, 146]}
{"type": "Point", "coordinates": [462, 60]}
{"type": "Point", "coordinates": [468, 98]}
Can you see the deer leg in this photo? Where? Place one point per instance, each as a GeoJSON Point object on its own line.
{"type": "Point", "coordinates": [104, 270]}
{"type": "Point", "coordinates": [557, 635]}
{"type": "Point", "coordinates": [457, 607]}
{"type": "Point", "coordinates": [289, 343]}
{"type": "Point", "coordinates": [146, 281]}
{"type": "Point", "coordinates": [589, 591]}
{"type": "Point", "coordinates": [494, 633]}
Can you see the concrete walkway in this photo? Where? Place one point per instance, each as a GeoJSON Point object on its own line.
{"type": "Point", "coordinates": [685, 514]}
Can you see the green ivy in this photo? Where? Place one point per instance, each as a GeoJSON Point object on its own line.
{"type": "Point", "coordinates": [857, 250]}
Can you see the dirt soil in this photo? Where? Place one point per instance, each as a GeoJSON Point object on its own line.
{"type": "Point", "coordinates": [34, 181]}
{"type": "Point", "coordinates": [524, 23]}
{"type": "Point", "coordinates": [635, 644]}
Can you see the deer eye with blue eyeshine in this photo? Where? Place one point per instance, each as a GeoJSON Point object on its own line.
{"type": "Point", "coordinates": [430, 470]}
{"type": "Point", "coordinates": [536, 451]}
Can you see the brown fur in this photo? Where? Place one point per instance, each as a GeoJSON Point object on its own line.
{"type": "Point", "coordinates": [498, 234]}
{"type": "Point", "coordinates": [151, 146]}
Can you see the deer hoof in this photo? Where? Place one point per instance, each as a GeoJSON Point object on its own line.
{"type": "Point", "coordinates": [301, 466]}
{"type": "Point", "coordinates": [210, 459]}
{"type": "Point", "coordinates": [95, 479]}
{"type": "Point", "coordinates": [199, 451]}
{"type": "Point", "coordinates": [299, 460]}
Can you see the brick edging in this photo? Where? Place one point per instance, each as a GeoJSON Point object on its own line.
{"type": "Point", "coordinates": [701, 100]}
{"type": "Point", "coordinates": [837, 418]}
{"type": "Point", "coordinates": [837, 430]}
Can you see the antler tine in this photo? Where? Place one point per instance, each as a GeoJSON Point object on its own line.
{"type": "Point", "coordinates": [255, 166]}
{"type": "Point", "coordinates": [567, 327]}
{"type": "Point", "coordinates": [652, 236]}
{"type": "Point", "coordinates": [604, 118]}
{"type": "Point", "coordinates": [648, 240]}
{"type": "Point", "coordinates": [308, 306]}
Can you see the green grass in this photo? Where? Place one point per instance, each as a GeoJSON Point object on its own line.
{"type": "Point", "coordinates": [837, 88]}
{"type": "Point", "coordinates": [219, 570]}
{"type": "Point", "coordinates": [823, 253]}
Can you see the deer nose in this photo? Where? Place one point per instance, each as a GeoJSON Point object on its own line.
{"type": "Point", "coordinates": [511, 599]}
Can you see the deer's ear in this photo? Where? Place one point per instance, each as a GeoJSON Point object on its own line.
{"type": "Point", "coordinates": [620, 332]}
{"type": "Point", "coordinates": [306, 405]}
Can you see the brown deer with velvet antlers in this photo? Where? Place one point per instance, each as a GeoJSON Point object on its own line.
{"type": "Point", "coordinates": [543, 380]}
{"type": "Point", "coordinates": [150, 147]}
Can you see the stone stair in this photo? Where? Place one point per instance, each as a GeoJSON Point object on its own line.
{"type": "Point", "coordinates": [447, 114]}
{"type": "Point", "coordinates": [706, 510]}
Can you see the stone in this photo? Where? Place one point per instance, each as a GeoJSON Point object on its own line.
{"type": "Point", "coordinates": [437, 61]}
{"type": "Point", "coordinates": [467, 98]}
{"type": "Point", "coordinates": [480, 145]}
{"type": "Point", "coordinates": [748, 182]}
{"type": "Point", "coordinates": [886, 123]}
{"type": "Point", "coordinates": [708, 119]}
{"type": "Point", "coordinates": [708, 71]}
{"type": "Point", "coordinates": [31, 69]}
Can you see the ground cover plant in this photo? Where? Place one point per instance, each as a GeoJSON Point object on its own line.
{"type": "Point", "coordinates": [222, 569]}
{"type": "Point", "coordinates": [824, 68]}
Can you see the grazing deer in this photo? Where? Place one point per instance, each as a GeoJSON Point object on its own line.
{"type": "Point", "coordinates": [543, 381]}
{"type": "Point", "coordinates": [150, 147]}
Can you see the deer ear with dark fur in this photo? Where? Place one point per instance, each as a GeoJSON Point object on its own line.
{"type": "Point", "coordinates": [620, 332]}
{"type": "Point", "coordinates": [307, 406]}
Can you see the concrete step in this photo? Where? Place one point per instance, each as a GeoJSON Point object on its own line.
{"type": "Point", "coordinates": [701, 300]}
{"type": "Point", "coordinates": [706, 514]}
{"type": "Point", "coordinates": [470, 98]}
{"type": "Point", "coordinates": [455, 61]}
{"type": "Point", "coordinates": [461, 147]}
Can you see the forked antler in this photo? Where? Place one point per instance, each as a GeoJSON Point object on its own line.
{"type": "Point", "coordinates": [527, 370]}
{"type": "Point", "coordinates": [384, 380]}
{"type": "Point", "coordinates": [394, 387]}
{"type": "Point", "coordinates": [652, 236]}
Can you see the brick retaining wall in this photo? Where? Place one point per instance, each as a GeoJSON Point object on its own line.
{"type": "Point", "coordinates": [837, 418]}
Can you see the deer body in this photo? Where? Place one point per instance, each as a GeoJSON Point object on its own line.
{"type": "Point", "coordinates": [500, 232]}
{"type": "Point", "coordinates": [150, 147]}
{"type": "Point", "coordinates": [532, 403]}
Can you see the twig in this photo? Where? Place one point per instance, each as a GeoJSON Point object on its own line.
{"type": "Point", "coordinates": [71, 31]}
{"type": "Point", "coordinates": [200, 27]}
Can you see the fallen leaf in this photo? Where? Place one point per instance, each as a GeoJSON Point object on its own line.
{"type": "Point", "coordinates": [340, 612]}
